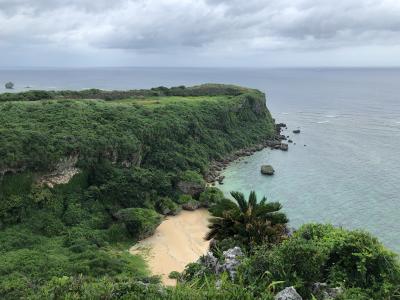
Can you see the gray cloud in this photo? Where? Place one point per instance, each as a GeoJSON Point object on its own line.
{"type": "Point", "coordinates": [202, 27]}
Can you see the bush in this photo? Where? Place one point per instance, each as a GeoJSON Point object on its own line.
{"type": "Point", "coordinates": [166, 206]}
{"type": "Point", "coordinates": [79, 239]}
{"type": "Point", "coordinates": [323, 253]}
{"type": "Point", "coordinates": [192, 177]}
{"type": "Point", "coordinates": [46, 222]}
{"type": "Point", "coordinates": [140, 222]}
{"type": "Point", "coordinates": [210, 196]}
{"type": "Point", "coordinates": [184, 199]}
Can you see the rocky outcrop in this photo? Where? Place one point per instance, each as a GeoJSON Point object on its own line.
{"type": "Point", "coordinates": [132, 160]}
{"type": "Point", "coordinates": [323, 292]}
{"type": "Point", "coordinates": [191, 188]}
{"type": "Point", "coordinates": [10, 171]}
{"type": "Point", "coordinates": [231, 261]}
{"type": "Point", "coordinates": [191, 205]}
{"type": "Point", "coordinates": [9, 85]}
{"type": "Point", "coordinates": [63, 172]}
{"type": "Point", "coordinates": [284, 147]}
{"type": "Point", "coordinates": [288, 293]}
{"type": "Point", "coordinates": [267, 170]}
{"type": "Point", "coordinates": [296, 131]}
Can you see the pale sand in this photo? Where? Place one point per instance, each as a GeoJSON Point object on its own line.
{"type": "Point", "coordinates": [179, 240]}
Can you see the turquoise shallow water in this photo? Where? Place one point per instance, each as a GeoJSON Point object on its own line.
{"type": "Point", "coordinates": [345, 176]}
{"type": "Point", "coordinates": [349, 172]}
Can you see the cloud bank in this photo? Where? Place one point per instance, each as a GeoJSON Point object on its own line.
{"type": "Point", "coordinates": [184, 31]}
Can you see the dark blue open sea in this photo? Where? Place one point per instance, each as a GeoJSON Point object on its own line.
{"type": "Point", "coordinates": [348, 173]}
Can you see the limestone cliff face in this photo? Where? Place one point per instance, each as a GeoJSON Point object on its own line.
{"type": "Point", "coordinates": [63, 172]}
{"type": "Point", "coordinates": [62, 136]}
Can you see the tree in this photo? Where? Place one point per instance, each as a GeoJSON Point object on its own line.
{"type": "Point", "coordinates": [140, 222]}
{"type": "Point", "coordinates": [247, 221]}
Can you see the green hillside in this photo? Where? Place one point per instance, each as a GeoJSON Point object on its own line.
{"type": "Point", "coordinates": [84, 174]}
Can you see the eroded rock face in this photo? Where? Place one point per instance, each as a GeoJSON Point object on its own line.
{"type": "Point", "coordinates": [267, 170]}
{"type": "Point", "coordinates": [323, 292]}
{"type": "Point", "coordinates": [232, 259]}
{"type": "Point", "coordinates": [191, 205]}
{"type": "Point", "coordinates": [191, 188]}
{"type": "Point", "coordinates": [288, 293]}
{"type": "Point", "coordinates": [63, 172]}
{"type": "Point", "coordinates": [210, 262]}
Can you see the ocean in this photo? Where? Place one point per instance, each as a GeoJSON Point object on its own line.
{"type": "Point", "coordinates": [344, 167]}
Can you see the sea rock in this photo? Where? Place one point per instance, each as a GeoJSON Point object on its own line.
{"type": "Point", "coordinates": [296, 131]}
{"type": "Point", "coordinates": [278, 146]}
{"type": "Point", "coordinates": [190, 188]}
{"type": "Point", "coordinates": [290, 141]}
{"type": "Point", "coordinates": [272, 143]}
{"type": "Point", "coordinates": [191, 205]}
{"type": "Point", "coordinates": [281, 137]}
{"type": "Point", "coordinates": [284, 147]}
{"type": "Point", "coordinates": [288, 293]}
{"type": "Point", "coordinates": [267, 170]}
{"type": "Point", "coordinates": [9, 85]}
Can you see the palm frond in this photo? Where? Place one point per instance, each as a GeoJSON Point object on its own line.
{"type": "Point", "coordinates": [241, 201]}
{"type": "Point", "coordinates": [263, 201]}
{"type": "Point", "coordinates": [252, 200]}
{"type": "Point", "coordinates": [222, 206]}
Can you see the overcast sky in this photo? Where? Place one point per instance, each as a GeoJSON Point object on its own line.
{"type": "Point", "coordinates": [261, 33]}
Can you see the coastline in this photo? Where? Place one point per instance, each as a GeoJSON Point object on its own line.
{"type": "Point", "coordinates": [178, 241]}
{"type": "Point", "coordinates": [213, 174]}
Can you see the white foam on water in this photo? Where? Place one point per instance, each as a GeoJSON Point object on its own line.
{"type": "Point", "coordinates": [323, 122]}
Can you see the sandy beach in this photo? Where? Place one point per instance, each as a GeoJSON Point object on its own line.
{"type": "Point", "coordinates": [178, 241]}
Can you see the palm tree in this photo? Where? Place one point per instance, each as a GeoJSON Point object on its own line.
{"type": "Point", "coordinates": [247, 221]}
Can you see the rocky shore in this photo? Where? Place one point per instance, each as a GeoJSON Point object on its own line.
{"type": "Point", "coordinates": [216, 167]}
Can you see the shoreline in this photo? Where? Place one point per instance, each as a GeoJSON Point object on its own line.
{"type": "Point", "coordinates": [213, 174]}
{"type": "Point", "coordinates": [178, 241]}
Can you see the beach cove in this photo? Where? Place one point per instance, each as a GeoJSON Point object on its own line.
{"type": "Point", "coordinates": [178, 241]}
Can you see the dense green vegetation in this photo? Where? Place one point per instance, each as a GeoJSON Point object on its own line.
{"type": "Point", "coordinates": [353, 263]}
{"type": "Point", "coordinates": [248, 222]}
{"type": "Point", "coordinates": [130, 157]}
{"type": "Point", "coordinates": [131, 153]}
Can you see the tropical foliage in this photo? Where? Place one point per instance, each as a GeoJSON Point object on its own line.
{"type": "Point", "coordinates": [249, 222]}
{"type": "Point", "coordinates": [131, 149]}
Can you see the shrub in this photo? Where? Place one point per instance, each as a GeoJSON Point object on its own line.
{"type": "Point", "coordinates": [46, 223]}
{"type": "Point", "coordinates": [192, 177]}
{"type": "Point", "coordinates": [166, 206]}
{"type": "Point", "coordinates": [323, 253]}
{"type": "Point", "coordinates": [184, 199]}
{"type": "Point", "coordinates": [210, 196]}
{"type": "Point", "coordinates": [140, 222]}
